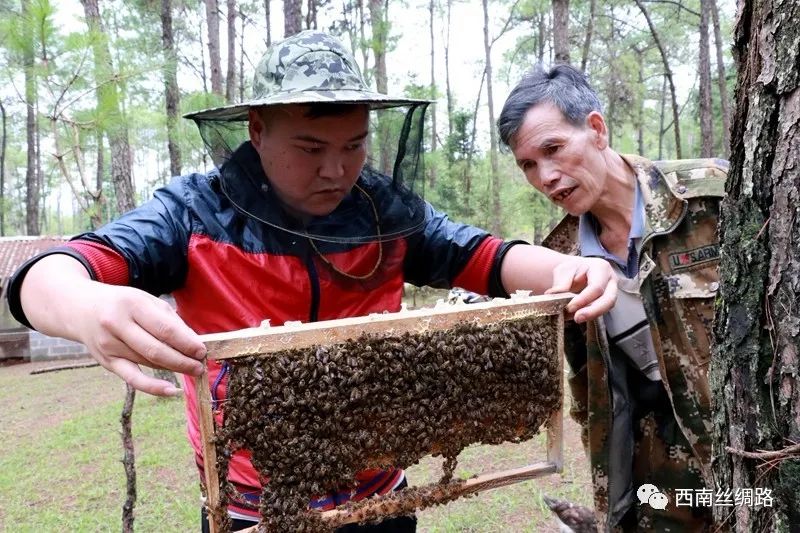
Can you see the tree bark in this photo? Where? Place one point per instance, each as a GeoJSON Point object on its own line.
{"type": "Point", "coordinates": [431, 10]}
{"type": "Point", "coordinates": [668, 74]}
{"type": "Point", "coordinates": [661, 118]}
{"type": "Point", "coordinates": [97, 206]}
{"type": "Point", "coordinates": [704, 66]}
{"type": "Point", "coordinates": [472, 136]}
{"type": "Point", "coordinates": [363, 40]}
{"type": "Point", "coordinates": [640, 105]}
{"type": "Point", "coordinates": [230, 78]}
{"type": "Point", "coordinates": [171, 91]}
{"type": "Point", "coordinates": [203, 73]}
{"type": "Point", "coordinates": [447, 73]}
{"type": "Point", "coordinates": [3, 172]}
{"type": "Point", "coordinates": [267, 21]}
{"type": "Point", "coordinates": [241, 58]}
{"type": "Point", "coordinates": [541, 38]}
{"type": "Point", "coordinates": [496, 223]}
{"type": "Point", "coordinates": [32, 181]}
{"type": "Point", "coordinates": [380, 39]}
{"type": "Point", "coordinates": [611, 108]}
{"type": "Point", "coordinates": [214, 61]}
{"type": "Point", "coordinates": [292, 17]}
{"type": "Point", "coordinates": [561, 30]}
{"type": "Point", "coordinates": [311, 16]}
{"type": "Point", "coordinates": [587, 42]}
{"type": "Point", "coordinates": [108, 102]}
{"type": "Point", "coordinates": [128, 460]}
{"type": "Point", "coordinates": [722, 82]}
{"type": "Point", "coordinates": [754, 371]}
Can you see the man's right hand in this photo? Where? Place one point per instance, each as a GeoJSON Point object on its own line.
{"type": "Point", "coordinates": [121, 326]}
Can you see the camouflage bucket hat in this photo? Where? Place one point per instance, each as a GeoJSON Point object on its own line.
{"type": "Point", "coordinates": [307, 68]}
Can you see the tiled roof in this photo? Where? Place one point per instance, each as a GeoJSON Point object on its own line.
{"type": "Point", "coordinates": [16, 250]}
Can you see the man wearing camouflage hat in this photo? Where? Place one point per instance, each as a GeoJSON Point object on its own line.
{"type": "Point", "coordinates": [639, 373]}
{"type": "Point", "coordinates": [292, 226]}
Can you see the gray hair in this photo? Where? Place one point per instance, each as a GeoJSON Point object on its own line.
{"type": "Point", "coordinates": [563, 86]}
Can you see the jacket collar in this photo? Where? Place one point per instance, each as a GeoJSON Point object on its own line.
{"type": "Point", "coordinates": [662, 208]}
{"type": "Point", "coordinates": [397, 211]}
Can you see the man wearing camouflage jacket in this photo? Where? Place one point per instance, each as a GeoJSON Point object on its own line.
{"type": "Point", "coordinates": [638, 375]}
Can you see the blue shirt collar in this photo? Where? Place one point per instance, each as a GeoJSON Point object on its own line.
{"type": "Point", "coordinates": [589, 240]}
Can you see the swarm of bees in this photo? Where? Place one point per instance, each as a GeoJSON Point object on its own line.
{"type": "Point", "coordinates": [312, 418]}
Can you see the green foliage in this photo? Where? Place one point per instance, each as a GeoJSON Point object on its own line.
{"type": "Point", "coordinates": [623, 65]}
{"type": "Point", "coordinates": [459, 145]}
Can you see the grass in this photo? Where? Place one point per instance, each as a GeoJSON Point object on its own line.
{"type": "Point", "coordinates": [60, 466]}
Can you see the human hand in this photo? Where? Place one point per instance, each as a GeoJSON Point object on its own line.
{"type": "Point", "coordinates": [596, 281]}
{"type": "Point", "coordinates": [124, 327]}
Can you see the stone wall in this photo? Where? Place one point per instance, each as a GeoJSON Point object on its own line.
{"type": "Point", "coordinates": [14, 345]}
{"type": "Point", "coordinates": [44, 348]}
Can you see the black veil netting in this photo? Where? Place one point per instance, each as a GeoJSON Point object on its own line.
{"type": "Point", "coordinates": [386, 204]}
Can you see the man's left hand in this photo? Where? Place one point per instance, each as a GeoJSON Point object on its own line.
{"type": "Point", "coordinates": [596, 281]}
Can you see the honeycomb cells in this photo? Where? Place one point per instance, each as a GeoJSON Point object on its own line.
{"type": "Point", "coordinates": [314, 417]}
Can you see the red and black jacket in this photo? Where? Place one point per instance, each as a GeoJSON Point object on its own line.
{"type": "Point", "coordinates": [228, 270]}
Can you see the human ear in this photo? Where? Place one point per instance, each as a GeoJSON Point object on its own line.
{"type": "Point", "coordinates": [597, 124]}
{"type": "Point", "coordinates": [255, 126]}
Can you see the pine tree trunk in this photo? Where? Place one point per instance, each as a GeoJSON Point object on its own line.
{"type": "Point", "coordinates": [380, 39]}
{"type": "Point", "coordinates": [114, 121]}
{"type": "Point", "coordinates": [203, 73]}
{"type": "Point", "coordinates": [431, 6]}
{"type": "Point", "coordinates": [121, 168]}
{"type": "Point", "coordinates": [171, 91]}
{"type": "Point", "coordinates": [447, 73]}
{"type": "Point", "coordinates": [32, 185]}
{"type": "Point", "coordinates": [754, 371]}
{"type": "Point", "coordinates": [541, 38]}
{"type": "Point", "coordinates": [496, 223]}
{"type": "Point", "coordinates": [587, 42]}
{"type": "Point", "coordinates": [3, 172]}
{"type": "Point", "coordinates": [241, 57]}
{"type": "Point", "coordinates": [364, 45]}
{"type": "Point", "coordinates": [212, 20]}
{"type": "Point", "coordinates": [640, 105]}
{"type": "Point", "coordinates": [97, 206]}
{"type": "Point", "coordinates": [267, 22]}
{"type": "Point", "coordinates": [472, 136]}
{"type": "Point", "coordinates": [230, 78]}
{"type": "Point", "coordinates": [311, 16]}
{"type": "Point", "coordinates": [704, 67]}
{"type": "Point", "coordinates": [721, 82]}
{"type": "Point", "coordinates": [292, 17]}
{"type": "Point", "coordinates": [661, 118]}
{"type": "Point", "coordinates": [611, 108]}
{"type": "Point", "coordinates": [561, 30]}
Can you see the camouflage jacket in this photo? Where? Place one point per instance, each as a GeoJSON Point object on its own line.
{"type": "Point", "coordinates": [678, 275]}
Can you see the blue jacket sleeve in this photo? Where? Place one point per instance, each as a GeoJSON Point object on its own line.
{"type": "Point", "coordinates": [153, 239]}
{"type": "Point", "coordinates": [441, 250]}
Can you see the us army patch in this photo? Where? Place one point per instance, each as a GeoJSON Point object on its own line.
{"type": "Point", "coordinates": [689, 258]}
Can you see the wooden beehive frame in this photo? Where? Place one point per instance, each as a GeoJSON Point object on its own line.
{"type": "Point", "coordinates": [266, 340]}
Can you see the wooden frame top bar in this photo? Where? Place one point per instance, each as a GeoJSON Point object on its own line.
{"type": "Point", "coordinates": [267, 340]}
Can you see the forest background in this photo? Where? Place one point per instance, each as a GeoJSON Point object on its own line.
{"type": "Point", "coordinates": [92, 90]}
